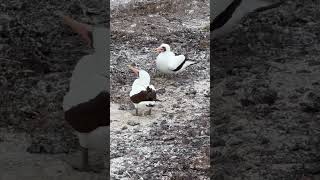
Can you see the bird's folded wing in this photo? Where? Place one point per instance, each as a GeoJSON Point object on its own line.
{"type": "Point", "coordinates": [136, 88]}
{"type": "Point", "coordinates": [175, 61]}
{"type": "Point", "coordinates": [142, 96]}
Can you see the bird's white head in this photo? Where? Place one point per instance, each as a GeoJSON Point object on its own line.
{"type": "Point", "coordinates": [163, 48]}
{"type": "Point", "coordinates": [84, 30]}
{"type": "Point", "coordinates": [134, 69]}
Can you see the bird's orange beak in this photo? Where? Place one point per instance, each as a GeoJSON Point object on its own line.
{"type": "Point", "coordinates": [134, 70]}
{"type": "Point", "coordinates": [159, 49]}
{"type": "Point", "coordinates": [82, 29]}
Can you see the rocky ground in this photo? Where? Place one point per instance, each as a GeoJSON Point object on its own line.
{"type": "Point", "coordinates": [38, 55]}
{"type": "Point", "coordinates": [265, 96]}
{"type": "Point", "coordinates": [172, 143]}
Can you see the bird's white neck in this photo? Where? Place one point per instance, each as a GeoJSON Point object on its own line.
{"type": "Point", "coordinates": [165, 53]}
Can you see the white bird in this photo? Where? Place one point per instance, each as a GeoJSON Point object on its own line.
{"type": "Point", "coordinates": [168, 63]}
{"type": "Point", "coordinates": [143, 94]}
{"type": "Point", "coordinates": [85, 105]}
{"type": "Point", "coordinates": [228, 13]}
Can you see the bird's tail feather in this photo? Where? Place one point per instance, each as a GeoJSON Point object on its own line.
{"type": "Point", "coordinates": [188, 63]}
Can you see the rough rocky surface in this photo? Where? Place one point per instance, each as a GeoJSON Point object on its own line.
{"type": "Point", "coordinates": [172, 143]}
{"type": "Point", "coordinates": [265, 96]}
{"type": "Point", "coordinates": [38, 54]}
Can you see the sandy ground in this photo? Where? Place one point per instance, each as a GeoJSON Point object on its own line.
{"type": "Point", "coordinates": [16, 163]}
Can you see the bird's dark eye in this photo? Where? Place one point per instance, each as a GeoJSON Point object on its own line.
{"type": "Point", "coordinates": [164, 48]}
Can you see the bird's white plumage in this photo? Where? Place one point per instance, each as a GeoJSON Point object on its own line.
{"type": "Point", "coordinates": [145, 105]}
{"type": "Point", "coordinates": [141, 84]}
{"type": "Point", "coordinates": [175, 62]}
{"type": "Point", "coordinates": [97, 139]}
{"type": "Point", "coordinates": [167, 61]}
{"type": "Point", "coordinates": [89, 78]}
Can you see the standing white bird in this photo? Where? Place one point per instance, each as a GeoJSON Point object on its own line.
{"type": "Point", "coordinates": [86, 103]}
{"type": "Point", "coordinates": [228, 13]}
{"type": "Point", "coordinates": [168, 63]}
{"type": "Point", "coordinates": [143, 94]}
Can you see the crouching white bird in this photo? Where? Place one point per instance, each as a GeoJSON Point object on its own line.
{"type": "Point", "coordinates": [168, 63]}
{"type": "Point", "coordinates": [228, 13]}
{"type": "Point", "coordinates": [143, 94]}
{"type": "Point", "coordinates": [86, 103]}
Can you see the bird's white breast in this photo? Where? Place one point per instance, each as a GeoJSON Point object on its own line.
{"type": "Point", "coordinates": [86, 83]}
{"type": "Point", "coordinates": [141, 83]}
{"type": "Point", "coordinates": [163, 60]}
{"type": "Point", "coordinates": [89, 76]}
{"type": "Point", "coordinates": [97, 139]}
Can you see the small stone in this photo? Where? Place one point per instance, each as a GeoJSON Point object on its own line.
{"type": "Point", "coordinates": [171, 115]}
{"type": "Point", "coordinates": [217, 142]}
{"type": "Point", "coordinates": [191, 92]}
{"type": "Point", "coordinates": [5, 18]}
{"type": "Point", "coordinates": [168, 138]}
{"type": "Point", "coordinates": [136, 130]}
{"type": "Point", "coordinates": [176, 106]}
{"type": "Point", "coordinates": [133, 123]}
{"type": "Point", "coordinates": [234, 141]}
{"type": "Point", "coordinates": [163, 122]}
{"type": "Point", "coordinates": [303, 71]}
{"type": "Point", "coordinates": [123, 107]}
{"type": "Point", "coordinates": [161, 91]}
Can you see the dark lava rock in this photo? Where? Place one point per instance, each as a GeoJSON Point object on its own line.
{"type": "Point", "coordinates": [125, 107]}
{"type": "Point", "coordinates": [221, 120]}
{"type": "Point", "coordinates": [168, 138]}
{"type": "Point", "coordinates": [234, 141]}
{"type": "Point", "coordinates": [304, 71]}
{"type": "Point", "coordinates": [161, 91]}
{"type": "Point", "coordinates": [217, 142]}
{"type": "Point", "coordinates": [228, 93]}
{"type": "Point", "coordinates": [191, 92]}
{"type": "Point", "coordinates": [163, 122]}
{"type": "Point", "coordinates": [260, 96]}
{"type": "Point", "coordinates": [176, 106]}
{"type": "Point", "coordinates": [302, 90]}
{"type": "Point", "coordinates": [311, 101]}
{"type": "Point", "coordinates": [133, 123]}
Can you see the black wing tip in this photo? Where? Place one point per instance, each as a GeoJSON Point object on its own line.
{"type": "Point", "coordinates": [272, 6]}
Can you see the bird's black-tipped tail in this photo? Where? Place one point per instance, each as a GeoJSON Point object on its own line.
{"type": "Point", "coordinates": [190, 63]}
{"type": "Point", "coordinates": [272, 6]}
